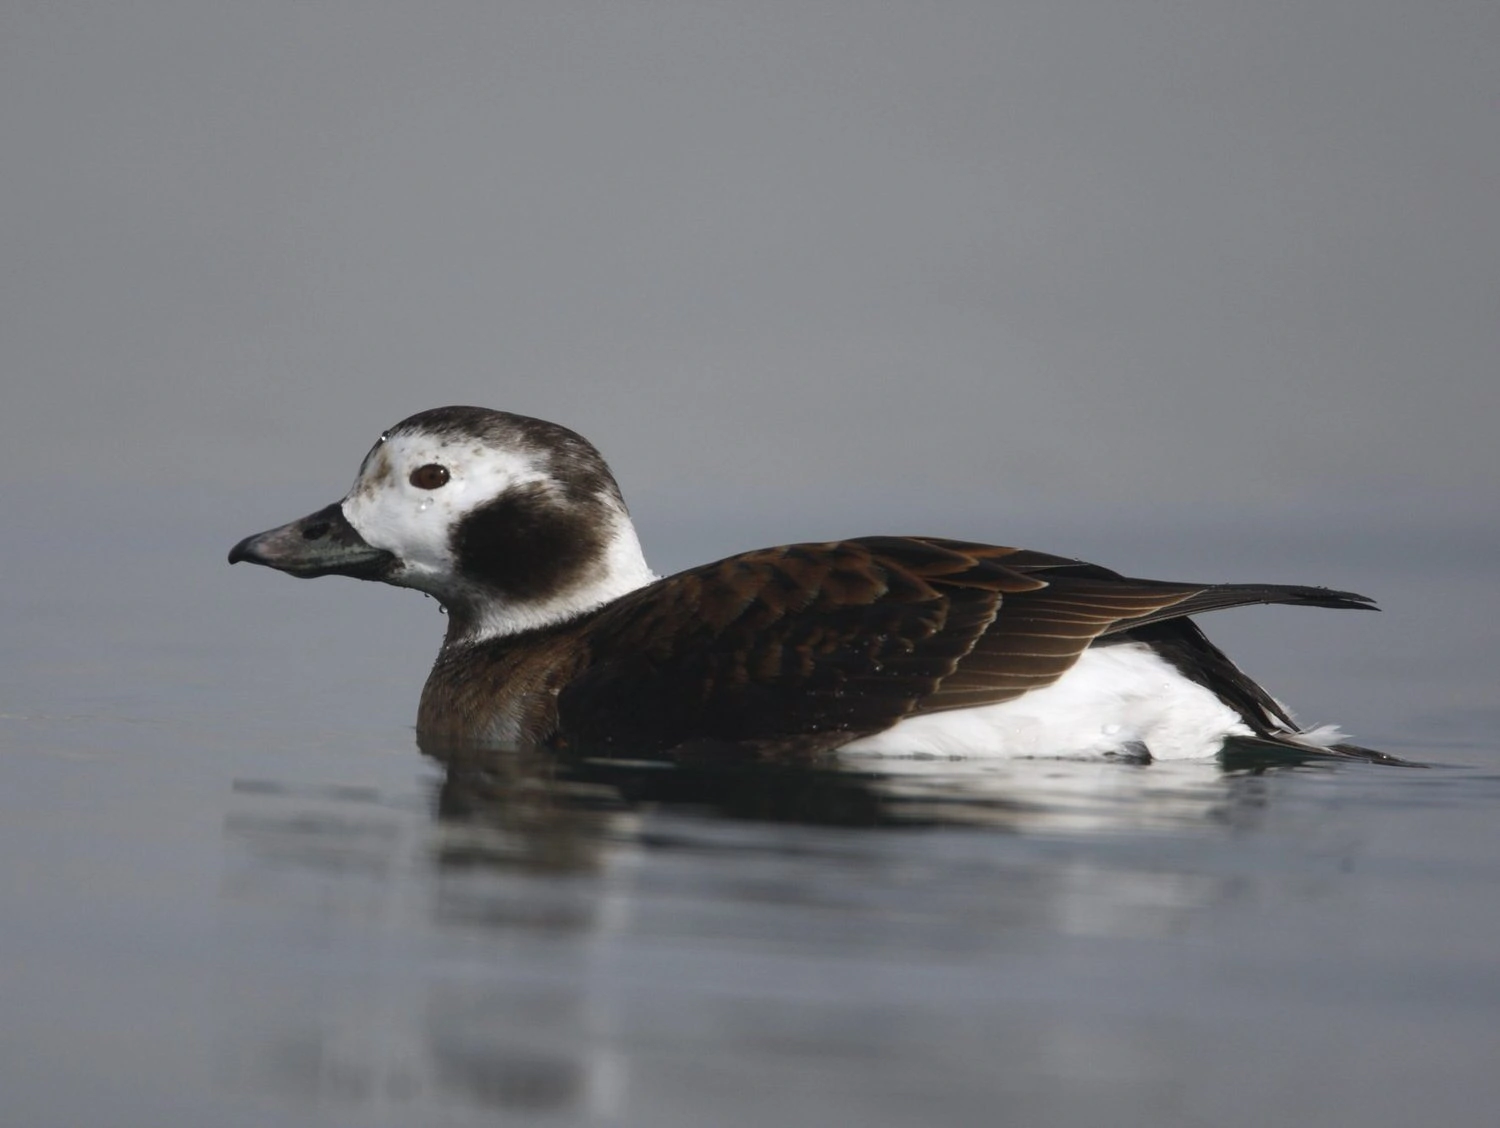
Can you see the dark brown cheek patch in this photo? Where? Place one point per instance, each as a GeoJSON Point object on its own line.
{"type": "Point", "coordinates": [527, 546]}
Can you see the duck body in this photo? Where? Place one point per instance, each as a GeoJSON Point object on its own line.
{"type": "Point", "coordinates": [560, 635]}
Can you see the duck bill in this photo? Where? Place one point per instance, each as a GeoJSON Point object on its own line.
{"type": "Point", "coordinates": [320, 544]}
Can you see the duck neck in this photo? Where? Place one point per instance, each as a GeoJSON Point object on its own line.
{"type": "Point", "coordinates": [480, 612]}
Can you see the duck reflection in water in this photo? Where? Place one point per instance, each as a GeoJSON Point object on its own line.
{"type": "Point", "coordinates": [548, 898]}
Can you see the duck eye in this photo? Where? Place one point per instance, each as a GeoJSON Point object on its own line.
{"type": "Point", "coordinates": [429, 477]}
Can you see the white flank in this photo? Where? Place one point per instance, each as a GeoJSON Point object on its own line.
{"type": "Point", "coordinates": [1113, 698]}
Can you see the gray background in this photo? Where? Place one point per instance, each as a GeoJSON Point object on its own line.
{"type": "Point", "coordinates": [1197, 290]}
{"type": "Point", "coordinates": [976, 268]}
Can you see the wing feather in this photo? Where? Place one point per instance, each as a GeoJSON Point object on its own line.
{"type": "Point", "coordinates": [825, 642]}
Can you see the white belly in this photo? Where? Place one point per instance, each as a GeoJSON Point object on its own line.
{"type": "Point", "coordinates": [1113, 699]}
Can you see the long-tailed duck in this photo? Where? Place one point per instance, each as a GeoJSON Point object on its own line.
{"type": "Point", "coordinates": [560, 635]}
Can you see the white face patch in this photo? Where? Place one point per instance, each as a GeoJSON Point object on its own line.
{"type": "Point", "coordinates": [417, 489]}
{"type": "Point", "coordinates": [415, 523]}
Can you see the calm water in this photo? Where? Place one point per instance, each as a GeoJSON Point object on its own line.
{"type": "Point", "coordinates": [232, 891]}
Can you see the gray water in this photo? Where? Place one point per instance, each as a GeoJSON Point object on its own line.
{"type": "Point", "coordinates": [232, 892]}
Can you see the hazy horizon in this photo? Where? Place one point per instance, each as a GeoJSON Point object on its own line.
{"type": "Point", "coordinates": [1108, 261]}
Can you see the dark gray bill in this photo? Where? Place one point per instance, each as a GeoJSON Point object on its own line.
{"type": "Point", "coordinates": [320, 544]}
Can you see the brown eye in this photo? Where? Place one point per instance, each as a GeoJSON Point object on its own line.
{"type": "Point", "coordinates": [429, 477]}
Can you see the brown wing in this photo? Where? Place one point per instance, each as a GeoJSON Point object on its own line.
{"type": "Point", "coordinates": [807, 646]}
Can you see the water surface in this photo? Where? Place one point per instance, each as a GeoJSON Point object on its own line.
{"type": "Point", "coordinates": [233, 892]}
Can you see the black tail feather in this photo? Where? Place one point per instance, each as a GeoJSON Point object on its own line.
{"type": "Point", "coordinates": [1273, 751]}
{"type": "Point", "coordinates": [1181, 643]}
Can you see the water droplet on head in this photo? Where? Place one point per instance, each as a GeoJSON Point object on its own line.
{"type": "Point", "coordinates": [424, 505]}
{"type": "Point", "coordinates": [1111, 729]}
